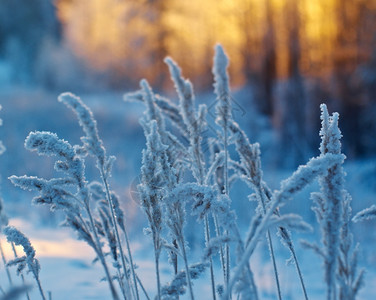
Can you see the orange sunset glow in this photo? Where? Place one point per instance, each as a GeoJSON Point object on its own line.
{"type": "Point", "coordinates": [118, 35]}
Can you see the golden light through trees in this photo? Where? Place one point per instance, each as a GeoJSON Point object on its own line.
{"type": "Point", "coordinates": [127, 38]}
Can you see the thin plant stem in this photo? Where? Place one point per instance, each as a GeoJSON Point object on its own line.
{"type": "Point", "coordinates": [271, 248]}
{"type": "Point", "coordinates": [131, 262]}
{"type": "Point", "coordinates": [299, 272]}
{"type": "Point", "coordinates": [114, 224]}
{"type": "Point", "coordinates": [5, 265]}
{"type": "Point", "coordinates": [140, 283]}
{"type": "Point", "coordinates": [236, 233]}
{"type": "Point", "coordinates": [226, 191]}
{"type": "Point", "coordinates": [188, 275]}
{"type": "Point", "coordinates": [142, 288]}
{"type": "Point", "coordinates": [252, 244]}
{"type": "Point", "coordinates": [221, 253]}
{"type": "Point", "coordinates": [98, 249]}
{"type": "Point", "coordinates": [207, 232]}
{"type": "Point", "coordinates": [156, 254]}
{"type": "Point", "coordinates": [121, 282]}
{"type": "Point", "coordinates": [200, 167]}
{"type": "Point", "coordinates": [274, 265]}
{"type": "Point", "coordinates": [39, 285]}
{"type": "Point", "coordinates": [22, 276]}
{"type": "Point", "coordinates": [292, 250]}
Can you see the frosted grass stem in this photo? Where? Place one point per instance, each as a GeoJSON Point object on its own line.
{"type": "Point", "coordinates": [297, 181]}
{"type": "Point", "coordinates": [221, 252]}
{"type": "Point", "coordinates": [131, 263]}
{"type": "Point", "coordinates": [5, 265]}
{"type": "Point", "coordinates": [207, 234]}
{"type": "Point", "coordinates": [194, 124]}
{"type": "Point", "coordinates": [188, 273]}
{"type": "Point", "coordinates": [223, 109]}
{"type": "Point", "coordinates": [114, 224]}
{"type": "Point", "coordinates": [99, 252]}
{"type": "Point", "coordinates": [276, 276]}
{"type": "Point", "coordinates": [270, 243]}
{"type": "Point", "coordinates": [142, 288]}
{"type": "Point", "coordinates": [40, 287]}
{"type": "Point", "coordinates": [227, 247]}
{"type": "Point", "coordinates": [156, 255]}
{"type": "Point", "coordinates": [22, 276]}
{"type": "Point", "coordinates": [299, 272]}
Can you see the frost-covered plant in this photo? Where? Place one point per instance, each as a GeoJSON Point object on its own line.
{"type": "Point", "coordinates": [195, 124]}
{"type": "Point", "coordinates": [250, 171]}
{"type": "Point", "coordinates": [178, 180]}
{"type": "Point", "coordinates": [296, 182]}
{"type": "Point", "coordinates": [329, 201]}
{"type": "Point", "coordinates": [333, 213]}
{"type": "Point", "coordinates": [366, 214]}
{"type": "Point", "coordinates": [15, 291]}
{"type": "Point", "coordinates": [20, 289]}
{"type": "Point", "coordinates": [158, 178]}
{"type": "Point", "coordinates": [94, 146]}
{"type": "Point", "coordinates": [3, 224]}
{"type": "Point", "coordinates": [29, 260]}
{"type": "Point", "coordinates": [224, 115]}
{"type": "Point", "coordinates": [151, 194]}
{"type": "Point", "coordinates": [349, 279]}
{"type": "Point", "coordinates": [70, 194]}
{"type": "Point", "coordinates": [210, 189]}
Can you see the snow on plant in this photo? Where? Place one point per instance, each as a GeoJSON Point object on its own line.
{"type": "Point", "coordinates": [29, 260]}
{"type": "Point", "coordinates": [333, 212]}
{"type": "Point", "coordinates": [251, 172]}
{"type": "Point", "coordinates": [195, 124]}
{"type": "Point", "coordinates": [15, 291]}
{"type": "Point", "coordinates": [178, 179]}
{"type": "Point", "coordinates": [210, 192]}
{"type": "Point", "coordinates": [76, 203]}
{"type": "Point", "coordinates": [3, 223]}
{"type": "Point", "coordinates": [366, 214]}
{"type": "Point", "coordinates": [94, 146]}
{"type": "Point", "coordinates": [72, 193]}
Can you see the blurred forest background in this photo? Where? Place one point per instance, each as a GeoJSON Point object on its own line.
{"type": "Point", "coordinates": [289, 55]}
{"type": "Point", "coordinates": [286, 58]}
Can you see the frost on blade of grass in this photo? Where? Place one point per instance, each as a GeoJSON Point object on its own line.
{"type": "Point", "coordinates": [150, 190]}
{"type": "Point", "coordinates": [297, 181]}
{"type": "Point", "coordinates": [18, 238]}
{"type": "Point", "coordinates": [170, 110]}
{"type": "Point", "coordinates": [52, 192]}
{"type": "Point", "coordinates": [14, 292]}
{"type": "Point", "coordinates": [177, 286]}
{"type": "Point", "coordinates": [224, 115]}
{"type": "Point", "coordinates": [333, 213]}
{"type": "Point", "coordinates": [71, 193]}
{"type": "Point", "coordinates": [366, 214]}
{"type": "Point", "coordinates": [195, 123]}
{"type": "Point", "coordinates": [3, 223]}
{"type": "Point", "coordinates": [94, 146]}
{"type": "Point", "coordinates": [221, 86]}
